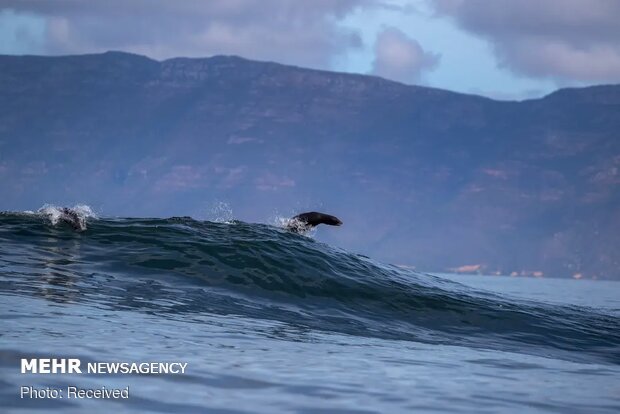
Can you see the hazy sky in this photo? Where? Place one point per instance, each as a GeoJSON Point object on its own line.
{"type": "Point", "coordinates": [499, 48]}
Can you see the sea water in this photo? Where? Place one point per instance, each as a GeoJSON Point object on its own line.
{"type": "Point", "coordinates": [273, 322]}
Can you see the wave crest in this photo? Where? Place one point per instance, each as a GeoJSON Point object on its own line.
{"type": "Point", "coordinates": [181, 266]}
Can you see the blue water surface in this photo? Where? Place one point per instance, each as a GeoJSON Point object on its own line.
{"type": "Point", "coordinates": [274, 322]}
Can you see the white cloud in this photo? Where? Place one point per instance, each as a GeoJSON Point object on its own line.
{"type": "Point", "coordinates": [290, 31]}
{"type": "Point", "coordinates": [400, 58]}
{"type": "Point", "coordinates": [568, 40]}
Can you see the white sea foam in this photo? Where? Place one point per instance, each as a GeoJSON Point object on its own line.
{"type": "Point", "coordinates": [85, 210]}
{"type": "Point", "coordinates": [221, 212]}
{"type": "Point", "coordinates": [294, 224]}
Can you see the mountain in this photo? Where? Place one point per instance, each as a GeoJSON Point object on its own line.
{"type": "Point", "coordinates": [420, 176]}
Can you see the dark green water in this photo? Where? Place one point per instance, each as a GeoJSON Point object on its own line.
{"type": "Point", "coordinates": [270, 321]}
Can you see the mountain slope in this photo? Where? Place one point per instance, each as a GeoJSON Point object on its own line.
{"type": "Point", "coordinates": [420, 176]}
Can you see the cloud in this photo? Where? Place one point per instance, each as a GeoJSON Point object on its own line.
{"type": "Point", "coordinates": [290, 31]}
{"type": "Point", "coordinates": [401, 58]}
{"type": "Point", "coordinates": [567, 41]}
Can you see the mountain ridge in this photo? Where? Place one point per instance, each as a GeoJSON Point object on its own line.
{"type": "Point", "coordinates": [497, 186]}
{"type": "Point", "coordinates": [227, 59]}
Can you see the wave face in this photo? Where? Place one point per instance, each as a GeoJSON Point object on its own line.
{"type": "Point", "coordinates": [179, 267]}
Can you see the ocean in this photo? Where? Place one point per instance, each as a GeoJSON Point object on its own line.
{"type": "Point", "coordinates": [269, 321]}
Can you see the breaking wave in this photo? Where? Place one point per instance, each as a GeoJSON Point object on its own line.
{"type": "Point", "coordinates": [179, 267]}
